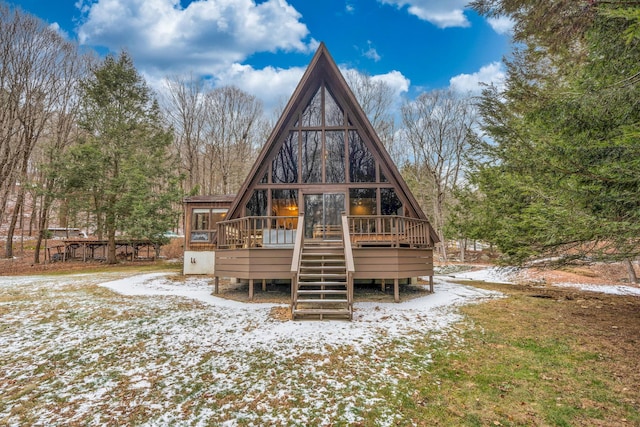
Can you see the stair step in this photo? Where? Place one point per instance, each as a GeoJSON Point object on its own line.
{"type": "Point", "coordinates": [307, 254]}
{"type": "Point", "coordinates": [331, 243]}
{"type": "Point", "coordinates": [323, 267]}
{"type": "Point", "coordinates": [321, 292]}
{"type": "Point", "coordinates": [305, 284]}
{"type": "Point", "coordinates": [322, 301]}
{"type": "Point", "coordinates": [326, 311]}
{"type": "Point", "coordinates": [320, 274]}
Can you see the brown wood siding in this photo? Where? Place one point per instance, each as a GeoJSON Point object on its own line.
{"type": "Point", "coordinates": [258, 263]}
{"type": "Point", "coordinates": [370, 263]}
{"type": "Point", "coordinates": [392, 263]}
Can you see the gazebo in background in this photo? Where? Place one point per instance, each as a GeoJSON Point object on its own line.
{"type": "Point", "coordinates": [323, 207]}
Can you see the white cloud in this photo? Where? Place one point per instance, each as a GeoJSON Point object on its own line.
{"type": "Point", "coordinates": [274, 86]}
{"type": "Point", "coordinates": [491, 73]}
{"type": "Point", "coordinates": [396, 80]}
{"type": "Point", "coordinates": [350, 8]}
{"type": "Point", "coordinates": [442, 14]}
{"type": "Point", "coordinates": [395, 85]}
{"type": "Point", "coordinates": [372, 53]}
{"type": "Point", "coordinates": [56, 27]}
{"type": "Point", "coordinates": [271, 85]}
{"type": "Point", "coordinates": [501, 25]}
{"type": "Point", "coordinates": [205, 36]}
{"type": "Point", "coordinates": [210, 38]}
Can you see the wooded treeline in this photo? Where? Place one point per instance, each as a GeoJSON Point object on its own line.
{"type": "Point", "coordinates": [545, 167]}
{"type": "Point", "coordinates": [555, 173]}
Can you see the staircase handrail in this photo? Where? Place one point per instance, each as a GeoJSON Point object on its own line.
{"type": "Point", "coordinates": [348, 257]}
{"type": "Point", "coordinates": [295, 259]}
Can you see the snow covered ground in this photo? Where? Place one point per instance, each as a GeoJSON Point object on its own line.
{"type": "Point", "coordinates": [99, 349]}
{"type": "Point", "coordinates": [102, 349]}
{"type": "Point", "coordinates": [511, 275]}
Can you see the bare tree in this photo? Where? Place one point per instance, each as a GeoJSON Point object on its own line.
{"type": "Point", "coordinates": [33, 80]}
{"type": "Point", "coordinates": [184, 107]}
{"type": "Point", "coordinates": [376, 97]}
{"type": "Point", "coordinates": [233, 125]}
{"type": "Point", "coordinates": [437, 128]}
{"type": "Point", "coordinates": [62, 134]}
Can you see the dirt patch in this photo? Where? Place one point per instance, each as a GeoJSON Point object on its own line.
{"type": "Point", "coordinates": [282, 314]}
{"type": "Point", "coordinates": [592, 274]}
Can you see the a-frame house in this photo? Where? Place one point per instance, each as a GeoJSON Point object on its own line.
{"type": "Point", "coordinates": [324, 206]}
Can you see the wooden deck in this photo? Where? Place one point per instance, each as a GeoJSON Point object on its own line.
{"type": "Point", "coordinates": [96, 249]}
{"type": "Point", "coordinates": [400, 249]}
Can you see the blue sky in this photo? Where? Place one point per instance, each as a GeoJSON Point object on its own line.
{"type": "Point", "coordinates": [263, 47]}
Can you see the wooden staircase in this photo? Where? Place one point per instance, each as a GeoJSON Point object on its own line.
{"type": "Point", "coordinates": [322, 285]}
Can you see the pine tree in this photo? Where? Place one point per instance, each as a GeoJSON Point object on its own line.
{"type": "Point", "coordinates": [557, 174]}
{"type": "Point", "coordinates": [122, 170]}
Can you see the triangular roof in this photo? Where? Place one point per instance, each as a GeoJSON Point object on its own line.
{"type": "Point", "coordinates": [322, 68]}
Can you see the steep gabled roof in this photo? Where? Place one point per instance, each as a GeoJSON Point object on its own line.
{"type": "Point", "coordinates": [322, 68]}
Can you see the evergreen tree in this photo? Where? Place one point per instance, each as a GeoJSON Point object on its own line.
{"type": "Point", "coordinates": [122, 170]}
{"type": "Point", "coordinates": [557, 174]}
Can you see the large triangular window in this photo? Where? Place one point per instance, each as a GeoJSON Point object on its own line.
{"type": "Point", "coordinates": [315, 150]}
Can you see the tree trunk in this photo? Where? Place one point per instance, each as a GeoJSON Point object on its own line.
{"type": "Point", "coordinates": [111, 247]}
{"type": "Point", "coordinates": [633, 278]}
{"type": "Point", "coordinates": [12, 225]}
{"type": "Point", "coordinates": [42, 226]}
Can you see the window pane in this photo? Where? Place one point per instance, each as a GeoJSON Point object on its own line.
{"type": "Point", "coordinates": [200, 219]}
{"type": "Point", "coordinates": [312, 115]}
{"type": "Point", "coordinates": [284, 202]}
{"type": "Point", "coordinates": [285, 164]}
{"type": "Point", "coordinates": [334, 158]}
{"type": "Point", "coordinates": [311, 156]}
{"type": "Point", "coordinates": [333, 113]}
{"type": "Point", "coordinates": [257, 204]}
{"type": "Point", "coordinates": [362, 201]}
{"type": "Point", "coordinates": [217, 215]}
{"type": "Point", "coordinates": [362, 165]}
{"type": "Point", "coordinates": [390, 203]}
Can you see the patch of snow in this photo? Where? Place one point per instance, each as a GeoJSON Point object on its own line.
{"type": "Point", "coordinates": [492, 274]}
{"type": "Point", "coordinates": [605, 289]}
{"type": "Point", "coordinates": [156, 284]}
{"type": "Point", "coordinates": [430, 312]}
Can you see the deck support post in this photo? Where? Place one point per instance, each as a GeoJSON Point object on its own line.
{"type": "Point", "coordinates": [396, 290]}
{"type": "Point", "coordinates": [431, 284]}
{"type": "Point", "coordinates": [216, 285]}
{"type": "Point", "coordinates": [250, 289]}
{"type": "Point", "coordinates": [383, 286]}
{"type": "Point", "coordinates": [264, 285]}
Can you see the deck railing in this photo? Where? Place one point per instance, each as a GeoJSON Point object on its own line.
{"type": "Point", "coordinates": [389, 230]}
{"type": "Point", "coordinates": [257, 231]}
{"type": "Point", "coordinates": [365, 230]}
